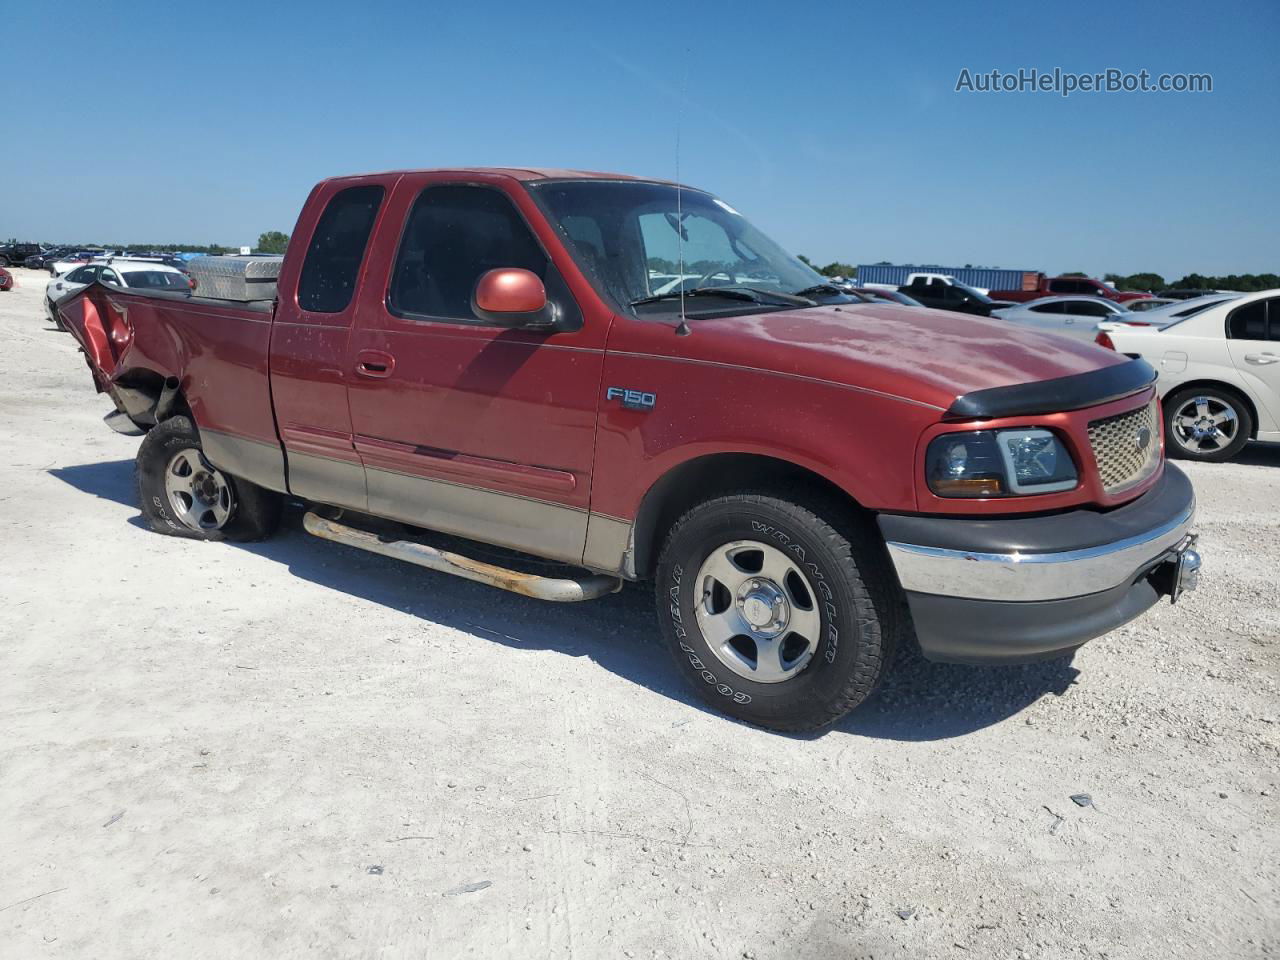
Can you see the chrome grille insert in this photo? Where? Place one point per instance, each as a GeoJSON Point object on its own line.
{"type": "Point", "coordinates": [1126, 447]}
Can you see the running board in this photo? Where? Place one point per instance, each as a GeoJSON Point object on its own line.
{"type": "Point", "coordinates": [562, 590]}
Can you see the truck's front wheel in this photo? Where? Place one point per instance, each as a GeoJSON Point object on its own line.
{"type": "Point", "coordinates": [774, 614]}
{"type": "Point", "coordinates": [183, 495]}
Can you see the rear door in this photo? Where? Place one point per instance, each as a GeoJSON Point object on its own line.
{"type": "Point", "coordinates": [1080, 318]}
{"type": "Point", "coordinates": [309, 337]}
{"type": "Point", "coordinates": [473, 429]}
{"type": "Point", "coordinates": [1253, 337]}
{"type": "Point", "coordinates": [1047, 317]}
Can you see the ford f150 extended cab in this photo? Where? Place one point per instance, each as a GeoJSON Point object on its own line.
{"type": "Point", "coordinates": [808, 479]}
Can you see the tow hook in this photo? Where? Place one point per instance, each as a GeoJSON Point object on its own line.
{"type": "Point", "coordinates": [1179, 571]}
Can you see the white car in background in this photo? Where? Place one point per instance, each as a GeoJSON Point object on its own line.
{"type": "Point", "coordinates": [1219, 374]}
{"type": "Point", "coordinates": [120, 273]}
{"type": "Point", "coordinates": [1076, 317]}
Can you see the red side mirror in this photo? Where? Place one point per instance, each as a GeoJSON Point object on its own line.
{"type": "Point", "coordinates": [512, 297]}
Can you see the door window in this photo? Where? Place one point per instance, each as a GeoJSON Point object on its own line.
{"type": "Point", "coordinates": [1068, 286]}
{"type": "Point", "coordinates": [109, 276]}
{"type": "Point", "coordinates": [337, 249]}
{"type": "Point", "coordinates": [1088, 308]}
{"type": "Point", "coordinates": [1048, 308]}
{"type": "Point", "coordinates": [1250, 321]}
{"type": "Point", "coordinates": [454, 234]}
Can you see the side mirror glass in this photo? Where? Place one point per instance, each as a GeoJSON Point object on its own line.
{"type": "Point", "coordinates": [512, 297]}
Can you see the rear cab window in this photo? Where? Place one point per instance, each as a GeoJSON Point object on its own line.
{"type": "Point", "coordinates": [337, 249]}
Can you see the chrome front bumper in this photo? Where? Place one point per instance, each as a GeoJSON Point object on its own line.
{"type": "Point", "coordinates": [1015, 589]}
{"type": "Point", "coordinates": [1022, 576]}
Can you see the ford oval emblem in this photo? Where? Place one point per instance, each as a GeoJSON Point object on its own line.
{"type": "Point", "coordinates": [1142, 439]}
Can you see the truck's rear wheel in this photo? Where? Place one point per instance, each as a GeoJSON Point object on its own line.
{"type": "Point", "coordinates": [775, 615]}
{"type": "Point", "coordinates": [183, 495]}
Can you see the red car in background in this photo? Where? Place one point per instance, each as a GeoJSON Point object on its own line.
{"type": "Point", "coordinates": [6, 279]}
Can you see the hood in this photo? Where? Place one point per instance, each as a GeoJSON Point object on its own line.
{"type": "Point", "coordinates": [927, 356]}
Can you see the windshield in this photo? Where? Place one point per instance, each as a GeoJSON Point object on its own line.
{"type": "Point", "coordinates": [156, 279]}
{"type": "Point", "coordinates": [637, 241]}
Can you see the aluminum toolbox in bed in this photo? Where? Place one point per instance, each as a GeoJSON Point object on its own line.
{"type": "Point", "coordinates": [236, 278]}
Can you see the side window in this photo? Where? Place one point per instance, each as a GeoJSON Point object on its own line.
{"type": "Point", "coordinates": [453, 235]}
{"type": "Point", "coordinates": [1273, 314]}
{"type": "Point", "coordinates": [1083, 308]}
{"type": "Point", "coordinates": [1249, 322]}
{"type": "Point", "coordinates": [1047, 308]}
{"type": "Point", "coordinates": [337, 249]}
{"type": "Point", "coordinates": [109, 276]}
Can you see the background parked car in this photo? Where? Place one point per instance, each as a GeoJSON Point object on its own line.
{"type": "Point", "coordinates": [1150, 303]}
{"type": "Point", "coordinates": [888, 296]}
{"type": "Point", "coordinates": [13, 254]}
{"type": "Point", "coordinates": [39, 261]}
{"type": "Point", "coordinates": [1180, 309]}
{"type": "Point", "coordinates": [944, 293]}
{"type": "Point", "coordinates": [72, 260]}
{"type": "Point", "coordinates": [1189, 294]}
{"type": "Point", "coordinates": [1071, 316]}
{"type": "Point", "coordinates": [1219, 374]}
{"type": "Point", "coordinates": [122, 273]}
{"type": "Point", "coordinates": [6, 279]}
{"type": "Point", "coordinates": [1067, 286]}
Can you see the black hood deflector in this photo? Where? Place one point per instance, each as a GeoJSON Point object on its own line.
{"type": "Point", "coordinates": [1054, 396]}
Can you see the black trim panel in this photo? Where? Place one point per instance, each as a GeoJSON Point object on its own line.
{"type": "Point", "coordinates": [1054, 396]}
{"type": "Point", "coordinates": [1079, 529]}
{"type": "Point", "coordinates": [994, 632]}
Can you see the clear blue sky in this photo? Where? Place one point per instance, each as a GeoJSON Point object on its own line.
{"type": "Point", "coordinates": [833, 127]}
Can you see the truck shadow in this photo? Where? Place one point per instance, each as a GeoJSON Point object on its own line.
{"type": "Point", "coordinates": [1259, 455]}
{"type": "Point", "coordinates": [919, 701]}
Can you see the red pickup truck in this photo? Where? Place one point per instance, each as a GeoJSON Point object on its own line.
{"type": "Point", "coordinates": [1038, 285]}
{"type": "Point", "coordinates": [809, 479]}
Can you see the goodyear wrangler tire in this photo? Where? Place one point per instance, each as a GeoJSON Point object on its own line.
{"type": "Point", "coordinates": [775, 614]}
{"type": "Point", "coordinates": [183, 495]}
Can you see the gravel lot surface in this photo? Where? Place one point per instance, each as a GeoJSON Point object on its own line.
{"type": "Point", "coordinates": [296, 749]}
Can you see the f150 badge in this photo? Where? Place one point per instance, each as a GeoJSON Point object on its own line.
{"type": "Point", "coordinates": [632, 399]}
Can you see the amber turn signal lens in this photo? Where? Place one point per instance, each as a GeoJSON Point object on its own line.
{"type": "Point", "coordinates": [968, 487]}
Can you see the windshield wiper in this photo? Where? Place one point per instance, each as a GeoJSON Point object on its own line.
{"type": "Point", "coordinates": [726, 292]}
{"type": "Point", "coordinates": [820, 288]}
{"type": "Point", "coordinates": [735, 292]}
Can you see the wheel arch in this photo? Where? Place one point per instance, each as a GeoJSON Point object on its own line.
{"type": "Point", "coordinates": [1205, 383]}
{"type": "Point", "coordinates": [711, 475]}
{"type": "Point", "coordinates": [149, 397]}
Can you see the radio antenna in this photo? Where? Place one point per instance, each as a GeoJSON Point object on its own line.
{"type": "Point", "coordinates": [682, 329]}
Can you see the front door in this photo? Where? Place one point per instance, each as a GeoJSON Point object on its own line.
{"type": "Point", "coordinates": [1253, 337]}
{"type": "Point", "coordinates": [473, 429]}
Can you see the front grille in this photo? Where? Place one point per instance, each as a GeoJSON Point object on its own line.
{"type": "Point", "coordinates": [1118, 447]}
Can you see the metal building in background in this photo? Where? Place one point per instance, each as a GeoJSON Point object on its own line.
{"type": "Point", "coordinates": [987, 278]}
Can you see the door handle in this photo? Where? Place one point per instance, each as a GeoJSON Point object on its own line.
{"type": "Point", "coordinates": [374, 364]}
{"type": "Point", "coordinates": [1261, 359]}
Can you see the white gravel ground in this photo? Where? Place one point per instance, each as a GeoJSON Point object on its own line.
{"type": "Point", "coordinates": [294, 749]}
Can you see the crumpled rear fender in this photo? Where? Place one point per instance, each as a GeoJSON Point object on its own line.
{"type": "Point", "coordinates": [108, 340]}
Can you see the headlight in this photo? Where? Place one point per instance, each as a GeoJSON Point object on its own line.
{"type": "Point", "coordinates": [998, 463]}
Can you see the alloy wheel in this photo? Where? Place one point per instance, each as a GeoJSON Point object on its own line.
{"type": "Point", "coordinates": [756, 611]}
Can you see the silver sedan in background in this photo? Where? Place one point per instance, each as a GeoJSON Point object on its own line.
{"type": "Point", "coordinates": [1076, 317]}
